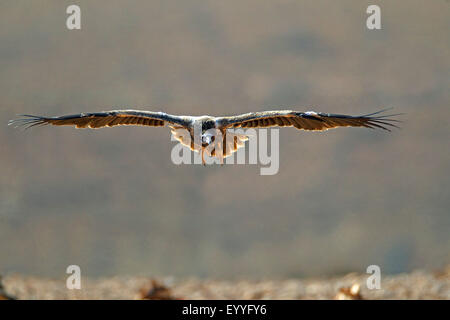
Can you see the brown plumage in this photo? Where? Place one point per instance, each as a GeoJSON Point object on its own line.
{"type": "Point", "coordinates": [316, 121]}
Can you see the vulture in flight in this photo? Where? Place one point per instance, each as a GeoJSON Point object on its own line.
{"type": "Point", "coordinates": [209, 134]}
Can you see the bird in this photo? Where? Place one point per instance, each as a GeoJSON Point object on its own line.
{"type": "Point", "coordinates": [210, 134]}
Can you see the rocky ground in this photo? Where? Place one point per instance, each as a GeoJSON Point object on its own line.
{"type": "Point", "coordinates": [415, 285]}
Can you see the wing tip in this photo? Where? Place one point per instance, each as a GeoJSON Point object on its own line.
{"type": "Point", "coordinates": [27, 121]}
{"type": "Point", "coordinates": [383, 121]}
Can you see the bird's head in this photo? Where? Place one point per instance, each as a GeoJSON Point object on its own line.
{"type": "Point", "coordinates": [207, 137]}
{"type": "Point", "coordinates": [208, 131]}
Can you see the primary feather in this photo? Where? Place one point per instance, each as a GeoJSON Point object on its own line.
{"type": "Point", "coordinates": [184, 127]}
{"type": "Point", "coordinates": [309, 120]}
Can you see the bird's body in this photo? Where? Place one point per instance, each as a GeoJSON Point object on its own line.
{"type": "Point", "coordinates": [201, 132]}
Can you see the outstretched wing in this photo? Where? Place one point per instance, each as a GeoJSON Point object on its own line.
{"type": "Point", "coordinates": [309, 120]}
{"type": "Point", "coordinates": [106, 119]}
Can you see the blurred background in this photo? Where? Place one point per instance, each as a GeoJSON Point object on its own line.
{"type": "Point", "coordinates": [111, 200]}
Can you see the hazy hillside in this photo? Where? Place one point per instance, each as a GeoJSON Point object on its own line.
{"type": "Point", "coordinates": [111, 200]}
